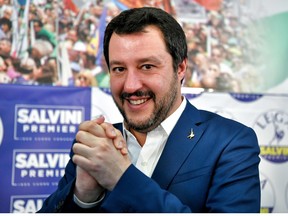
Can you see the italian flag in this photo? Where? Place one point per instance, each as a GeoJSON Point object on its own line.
{"type": "Point", "coordinates": [271, 32]}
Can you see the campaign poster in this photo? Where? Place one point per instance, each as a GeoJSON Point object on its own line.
{"type": "Point", "coordinates": [37, 128]}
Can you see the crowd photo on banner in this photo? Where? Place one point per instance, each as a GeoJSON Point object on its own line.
{"type": "Point", "coordinates": [59, 43]}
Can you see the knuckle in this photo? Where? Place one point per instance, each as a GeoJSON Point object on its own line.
{"type": "Point", "coordinates": [82, 125]}
{"type": "Point", "coordinates": [118, 132]}
{"type": "Point", "coordinates": [94, 128]}
{"type": "Point", "coordinates": [106, 125]}
{"type": "Point", "coordinates": [79, 135]}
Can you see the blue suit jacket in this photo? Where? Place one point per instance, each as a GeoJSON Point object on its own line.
{"type": "Point", "coordinates": [215, 171]}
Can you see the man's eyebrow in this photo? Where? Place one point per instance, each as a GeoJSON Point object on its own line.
{"type": "Point", "coordinates": [153, 59]}
{"type": "Point", "coordinates": [150, 59]}
{"type": "Point", "coordinates": [115, 62]}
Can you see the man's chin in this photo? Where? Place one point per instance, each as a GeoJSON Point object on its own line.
{"type": "Point", "coordinates": [141, 126]}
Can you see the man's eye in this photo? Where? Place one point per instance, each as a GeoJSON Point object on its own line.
{"type": "Point", "coordinates": [147, 67]}
{"type": "Point", "coordinates": [118, 69]}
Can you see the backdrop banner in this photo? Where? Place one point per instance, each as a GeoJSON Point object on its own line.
{"type": "Point", "coordinates": [38, 125]}
{"type": "Point", "coordinates": [37, 128]}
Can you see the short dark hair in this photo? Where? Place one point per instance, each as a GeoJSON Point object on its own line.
{"type": "Point", "coordinates": [5, 21]}
{"type": "Point", "coordinates": [38, 21]}
{"type": "Point", "coordinates": [136, 19]}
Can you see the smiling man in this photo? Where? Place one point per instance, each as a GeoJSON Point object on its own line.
{"type": "Point", "coordinates": [166, 156]}
{"type": "Point", "coordinates": [144, 85]}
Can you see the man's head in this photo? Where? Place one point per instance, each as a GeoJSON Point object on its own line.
{"type": "Point", "coordinates": [217, 54]}
{"type": "Point", "coordinates": [146, 52]}
{"type": "Point", "coordinates": [41, 48]}
{"type": "Point", "coordinates": [210, 75]}
{"type": "Point", "coordinates": [5, 24]}
{"type": "Point", "coordinates": [5, 46]}
{"type": "Point", "coordinates": [37, 25]}
{"type": "Point", "coordinates": [135, 20]}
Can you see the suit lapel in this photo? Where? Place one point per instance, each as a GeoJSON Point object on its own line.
{"type": "Point", "coordinates": [178, 146]}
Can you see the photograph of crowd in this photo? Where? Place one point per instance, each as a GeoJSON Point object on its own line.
{"type": "Point", "coordinates": [59, 43]}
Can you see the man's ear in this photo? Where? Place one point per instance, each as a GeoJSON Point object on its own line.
{"type": "Point", "coordinates": [182, 67]}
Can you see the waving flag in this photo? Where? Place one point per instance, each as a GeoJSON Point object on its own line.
{"type": "Point", "coordinates": [70, 5]}
{"type": "Point", "coordinates": [120, 5]}
{"type": "Point", "coordinates": [131, 3]}
{"type": "Point", "coordinates": [270, 38]}
{"type": "Point", "coordinates": [20, 39]}
{"type": "Point", "coordinates": [100, 32]}
{"type": "Point", "coordinates": [210, 4]}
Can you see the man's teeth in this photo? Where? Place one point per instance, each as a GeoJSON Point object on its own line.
{"type": "Point", "coordinates": [137, 102]}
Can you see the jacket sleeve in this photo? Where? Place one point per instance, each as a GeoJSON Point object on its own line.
{"type": "Point", "coordinates": [135, 192]}
{"type": "Point", "coordinates": [235, 185]}
{"type": "Point", "coordinates": [62, 199]}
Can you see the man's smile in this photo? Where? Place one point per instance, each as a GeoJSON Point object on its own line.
{"type": "Point", "coordinates": [137, 102]}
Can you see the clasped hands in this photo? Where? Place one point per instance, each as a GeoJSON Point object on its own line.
{"type": "Point", "coordinates": [101, 156]}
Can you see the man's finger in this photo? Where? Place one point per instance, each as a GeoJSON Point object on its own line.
{"type": "Point", "coordinates": [94, 126]}
{"type": "Point", "coordinates": [118, 139]}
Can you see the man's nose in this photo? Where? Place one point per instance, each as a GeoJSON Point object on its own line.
{"type": "Point", "coordinates": [133, 82]}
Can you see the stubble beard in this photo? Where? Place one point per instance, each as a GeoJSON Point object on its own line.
{"type": "Point", "coordinates": [160, 113]}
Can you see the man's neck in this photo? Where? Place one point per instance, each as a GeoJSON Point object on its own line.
{"type": "Point", "coordinates": [141, 137]}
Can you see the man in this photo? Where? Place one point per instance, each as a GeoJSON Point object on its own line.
{"type": "Point", "coordinates": [5, 28]}
{"type": "Point", "coordinates": [41, 33]}
{"type": "Point", "coordinates": [179, 159]}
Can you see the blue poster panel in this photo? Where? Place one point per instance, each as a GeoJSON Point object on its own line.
{"type": "Point", "coordinates": [37, 128]}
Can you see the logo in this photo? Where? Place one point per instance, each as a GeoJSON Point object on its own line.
{"type": "Point", "coordinates": [26, 204]}
{"type": "Point", "coordinates": [46, 123]}
{"type": "Point", "coordinates": [267, 195]}
{"type": "Point", "coordinates": [1, 131]}
{"type": "Point", "coordinates": [41, 168]}
{"type": "Point", "coordinates": [246, 98]}
{"type": "Point", "coordinates": [272, 130]}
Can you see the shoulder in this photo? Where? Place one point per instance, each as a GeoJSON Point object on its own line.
{"type": "Point", "coordinates": [215, 121]}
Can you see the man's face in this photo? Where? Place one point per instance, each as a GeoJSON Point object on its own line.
{"type": "Point", "coordinates": [5, 28]}
{"type": "Point", "coordinates": [216, 55]}
{"type": "Point", "coordinates": [5, 47]}
{"type": "Point", "coordinates": [213, 70]}
{"type": "Point", "coordinates": [144, 86]}
{"type": "Point", "coordinates": [37, 27]}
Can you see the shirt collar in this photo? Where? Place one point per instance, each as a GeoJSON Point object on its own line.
{"type": "Point", "coordinates": [169, 123]}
